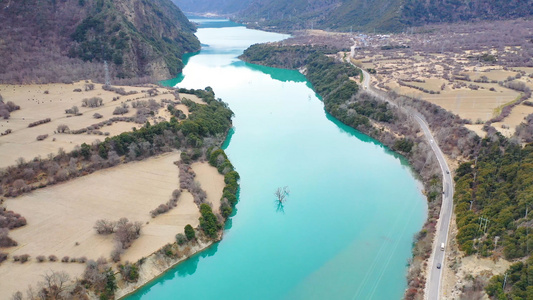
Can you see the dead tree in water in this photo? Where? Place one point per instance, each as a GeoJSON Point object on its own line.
{"type": "Point", "coordinates": [281, 194]}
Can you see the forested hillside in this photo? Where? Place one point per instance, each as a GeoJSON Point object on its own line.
{"type": "Point", "coordinates": [343, 15]}
{"type": "Point", "coordinates": [379, 15]}
{"type": "Point", "coordinates": [494, 198]}
{"type": "Point", "coordinates": [415, 12]}
{"type": "Point", "coordinates": [48, 40]}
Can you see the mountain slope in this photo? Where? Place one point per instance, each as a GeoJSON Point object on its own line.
{"type": "Point", "coordinates": [415, 12]}
{"type": "Point", "coordinates": [380, 15]}
{"type": "Point", "coordinates": [223, 7]}
{"type": "Point", "coordinates": [50, 40]}
{"type": "Point", "coordinates": [331, 14]}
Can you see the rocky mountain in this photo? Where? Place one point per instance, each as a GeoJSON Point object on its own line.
{"type": "Point", "coordinates": [67, 40]}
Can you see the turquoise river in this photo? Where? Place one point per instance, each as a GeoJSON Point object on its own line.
{"type": "Point", "coordinates": [347, 228]}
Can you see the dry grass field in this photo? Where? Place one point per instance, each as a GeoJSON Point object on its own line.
{"type": "Point", "coordinates": [212, 182]}
{"type": "Point", "coordinates": [61, 218]}
{"type": "Point", "coordinates": [432, 72]}
{"type": "Point", "coordinates": [458, 67]}
{"type": "Point", "coordinates": [469, 104]}
{"type": "Point", "coordinates": [37, 105]}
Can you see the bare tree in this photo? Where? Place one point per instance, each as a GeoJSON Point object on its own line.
{"type": "Point", "coordinates": [54, 283]}
{"type": "Point", "coordinates": [104, 226]}
{"type": "Point", "coordinates": [62, 128]}
{"type": "Point", "coordinates": [281, 194]}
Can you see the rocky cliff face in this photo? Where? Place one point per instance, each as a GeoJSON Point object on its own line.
{"type": "Point", "coordinates": [72, 39]}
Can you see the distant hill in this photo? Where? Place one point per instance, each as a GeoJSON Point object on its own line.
{"type": "Point", "coordinates": [221, 7]}
{"type": "Point", "coordinates": [342, 15]}
{"type": "Point", "coordinates": [380, 15]}
{"type": "Point", "coordinates": [67, 40]}
{"type": "Point", "coordinates": [415, 12]}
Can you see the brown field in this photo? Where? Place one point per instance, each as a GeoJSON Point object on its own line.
{"type": "Point", "coordinates": [527, 70]}
{"type": "Point", "coordinates": [35, 105]}
{"type": "Point", "coordinates": [514, 119]}
{"type": "Point", "coordinates": [62, 216]}
{"type": "Point", "coordinates": [477, 128]}
{"type": "Point", "coordinates": [212, 182]}
{"type": "Point", "coordinates": [498, 75]}
{"type": "Point", "coordinates": [431, 84]}
{"type": "Point", "coordinates": [429, 58]}
{"type": "Point", "coordinates": [468, 104]}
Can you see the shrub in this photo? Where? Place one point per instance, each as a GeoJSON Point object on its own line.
{"type": "Point", "coordinates": [189, 232]}
{"type": "Point", "coordinates": [10, 220]}
{"type": "Point", "coordinates": [129, 272]}
{"type": "Point", "coordinates": [127, 232]}
{"type": "Point", "coordinates": [65, 259]}
{"type": "Point", "coordinates": [122, 109]}
{"type": "Point", "coordinates": [41, 258]}
{"type": "Point", "coordinates": [181, 239]}
{"type": "Point", "coordinates": [3, 257]}
{"type": "Point", "coordinates": [24, 258]}
{"type": "Point", "coordinates": [92, 102]}
{"type": "Point", "coordinates": [162, 208]}
{"type": "Point", "coordinates": [97, 116]}
{"type": "Point", "coordinates": [104, 226]}
{"type": "Point", "coordinates": [116, 253]}
{"type": "Point", "coordinates": [62, 128]}
{"type": "Point", "coordinates": [74, 110]}
{"type": "Point", "coordinates": [42, 137]}
{"type": "Point", "coordinates": [208, 221]}
{"type": "Point", "coordinates": [52, 258]}
{"type": "Point", "coordinates": [5, 240]}
{"type": "Point", "coordinates": [89, 87]}
{"type": "Point", "coordinates": [82, 260]}
{"type": "Point", "coordinates": [36, 123]}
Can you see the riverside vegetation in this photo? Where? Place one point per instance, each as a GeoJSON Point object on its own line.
{"type": "Point", "coordinates": [198, 137]}
{"type": "Point", "coordinates": [336, 82]}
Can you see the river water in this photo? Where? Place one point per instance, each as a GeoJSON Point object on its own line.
{"type": "Point", "coordinates": [347, 228]}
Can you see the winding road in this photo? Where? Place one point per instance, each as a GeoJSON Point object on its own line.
{"type": "Point", "coordinates": [433, 283]}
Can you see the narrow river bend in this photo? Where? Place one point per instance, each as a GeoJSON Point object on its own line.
{"type": "Point", "coordinates": [347, 228]}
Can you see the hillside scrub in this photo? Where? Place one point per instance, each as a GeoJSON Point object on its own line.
{"type": "Point", "coordinates": [77, 38]}
{"type": "Point", "coordinates": [378, 15]}
{"type": "Point", "coordinates": [497, 188]}
{"type": "Point", "coordinates": [492, 201]}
